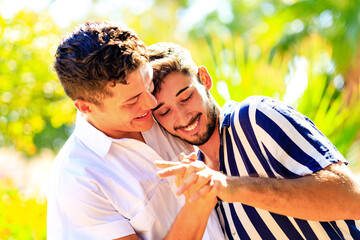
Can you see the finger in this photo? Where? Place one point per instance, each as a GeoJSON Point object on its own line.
{"type": "Point", "coordinates": [188, 158]}
{"type": "Point", "coordinates": [201, 193]}
{"type": "Point", "coordinates": [182, 156]}
{"type": "Point", "coordinates": [171, 171]}
{"type": "Point", "coordinates": [216, 188]}
{"type": "Point", "coordinates": [178, 180]}
{"type": "Point", "coordinates": [196, 166]}
{"type": "Point", "coordinates": [194, 180]}
{"type": "Point", "coordinates": [165, 164]}
{"type": "Point", "coordinates": [192, 156]}
{"type": "Point", "coordinates": [187, 183]}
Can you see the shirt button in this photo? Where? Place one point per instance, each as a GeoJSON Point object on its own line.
{"type": "Point", "coordinates": [233, 232]}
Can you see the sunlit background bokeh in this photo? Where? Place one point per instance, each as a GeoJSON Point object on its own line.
{"type": "Point", "coordinates": [305, 53]}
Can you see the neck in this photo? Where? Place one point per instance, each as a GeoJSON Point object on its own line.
{"type": "Point", "coordinates": [211, 149]}
{"type": "Point", "coordinates": [134, 135]}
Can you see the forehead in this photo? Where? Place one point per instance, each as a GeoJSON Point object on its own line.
{"type": "Point", "coordinates": [137, 81]}
{"type": "Point", "coordinates": [174, 82]}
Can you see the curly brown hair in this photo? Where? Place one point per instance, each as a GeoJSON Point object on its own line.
{"type": "Point", "coordinates": [167, 57]}
{"type": "Point", "coordinates": [94, 55]}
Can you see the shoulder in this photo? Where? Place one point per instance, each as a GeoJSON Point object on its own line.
{"type": "Point", "coordinates": [248, 109]}
{"type": "Point", "coordinates": [249, 103]}
{"type": "Point", "coordinates": [260, 111]}
{"type": "Point", "coordinates": [79, 184]}
{"type": "Point", "coordinates": [261, 108]}
{"type": "Point", "coordinates": [263, 103]}
{"type": "Point", "coordinates": [75, 155]}
{"type": "Point", "coordinates": [73, 169]}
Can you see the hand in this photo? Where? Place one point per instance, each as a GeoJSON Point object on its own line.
{"type": "Point", "coordinates": [197, 180]}
{"type": "Point", "coordinates": [179, 178]}
{"type": "Point", "coordinates": [181, 175]}
{"type": "Point", "coordinates": [192, 157]}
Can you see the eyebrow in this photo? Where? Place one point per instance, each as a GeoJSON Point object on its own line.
{"type": "Point", "coordinates": [177, 94]}
{"type": "Point", "coordinates": [158, 106]}
{"type": "Point", "coordinates": [181, 91]}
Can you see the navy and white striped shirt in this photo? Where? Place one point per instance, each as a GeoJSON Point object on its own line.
{"type": "Point", "coordinates": [264, 136]}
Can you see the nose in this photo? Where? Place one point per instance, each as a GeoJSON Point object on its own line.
{"type": "Point", "coordinates": [149, 101]}
{"type": "Point", "coordinates": [182, 117]}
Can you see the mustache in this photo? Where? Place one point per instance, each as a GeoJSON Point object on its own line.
{"type": "Point", "coordinates": [192, 120]}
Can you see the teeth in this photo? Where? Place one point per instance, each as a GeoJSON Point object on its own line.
{"type": "Point", "coordinates": [192, 126]}
{"type": "Point", "coordinates": [143, 115]}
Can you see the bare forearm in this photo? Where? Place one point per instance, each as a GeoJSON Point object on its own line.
{"type": "Point", "coordinates": [327, 195]}
{"type": "Point", "coordinates": [191, 222]}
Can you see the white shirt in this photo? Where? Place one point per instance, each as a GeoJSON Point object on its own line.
{"type": "Point", "coordinates": [104, 188]}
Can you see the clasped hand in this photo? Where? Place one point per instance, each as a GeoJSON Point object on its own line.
{"type": "Point", "coordinates": [194, 179]}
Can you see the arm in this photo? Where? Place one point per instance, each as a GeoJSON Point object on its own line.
{"type": "Point", "coordinates": [329, 194]}
{"type": "Point", "coordinates": [192, 219]}
{"type": "Point", "coordinates": [189, 224]}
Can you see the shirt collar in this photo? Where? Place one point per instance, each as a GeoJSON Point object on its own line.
{"type": "Point", "coordinates": [225, 114]}
{"type": "Point", "coordinates": [93, 138]}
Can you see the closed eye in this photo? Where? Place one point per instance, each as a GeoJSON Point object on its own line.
{"type": "Point", "coordinates": [186, 99]}
{"type": "Point", "coordinates": [166, 112]}
{"type": "Point", "coordinates": [133, 102]}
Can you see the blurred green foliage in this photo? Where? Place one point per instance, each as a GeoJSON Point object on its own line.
{"type": "Point", "coordinates": [305, 53]}
{"type": "Point", "coordinates": [33, 106]}
{"type": "Point", "coordinates": [302, 52]}
{"type": "Point", "coordinates": [20, 218]}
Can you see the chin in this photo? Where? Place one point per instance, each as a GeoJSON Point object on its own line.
{"type": "Point", "coordinates": [146, 126]}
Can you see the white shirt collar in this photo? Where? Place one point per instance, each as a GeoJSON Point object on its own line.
{"type": "Point", "coordinates": [93, 138]}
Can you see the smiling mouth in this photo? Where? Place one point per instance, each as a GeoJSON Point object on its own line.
{"type": "Point", "coordinates": [192, 125]}
{"type": "Point", "coordinates": [143, 115]}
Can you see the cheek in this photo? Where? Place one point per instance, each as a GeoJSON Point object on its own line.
{"type": "Point", "coordinates": [158, 118]}
{"type": "Point", "coordinates": [163, 121]}
{"type": "Point", "coordinates": [199, 101]}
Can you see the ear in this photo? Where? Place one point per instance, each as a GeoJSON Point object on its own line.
{"type": "Point", "coordinates": [83, 106]}
{"type": "Point", "coordinates": [205, 77]}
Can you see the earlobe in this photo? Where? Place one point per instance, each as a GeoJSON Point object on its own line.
{"type": "Point", "coordinates": [82, 106]}
{"type": "Point", "coordinates": [205, 77]}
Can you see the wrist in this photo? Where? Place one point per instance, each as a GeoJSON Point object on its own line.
{"type": "Point", "coordinates": [201, 206]}
{"type": "Point", "coordinates": [228, 192]}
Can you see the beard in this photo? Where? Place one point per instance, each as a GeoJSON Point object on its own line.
{"type": "Point", "coordinates": [210, 127]}
{"type": "Point", "coordinates": [212, 117]}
